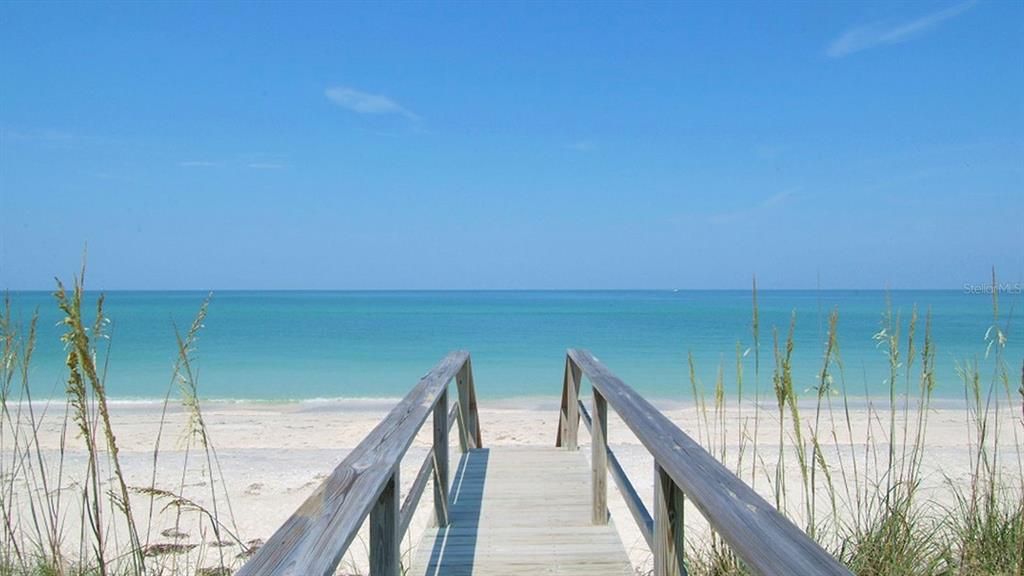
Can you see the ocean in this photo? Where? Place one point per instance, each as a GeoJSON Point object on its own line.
{"type": "Point", "coordinates": [297, 346]}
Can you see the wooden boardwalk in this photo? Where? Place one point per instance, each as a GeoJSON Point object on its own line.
{"type": "Point", "coordinates": [529, 510]}
{"type": "Point", "coordinates": [521, 511]}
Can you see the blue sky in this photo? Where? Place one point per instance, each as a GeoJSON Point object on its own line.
{"type": "Point", "coordinates": [413, 145]}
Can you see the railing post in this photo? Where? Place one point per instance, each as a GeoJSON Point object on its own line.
{"type": "Point", "coordinates": [599, 458]}
{"type": "Point", "coordinates": [467, 405]}
{"type": "Point", "coordinates": [441, 460]}
{"type": "Point", "coordinates": [463, 442]}
{"type": "Point", "coordinates": [668, 526]}
{"type": "Point", "coordinates": [569, 418]}
{"type": "Point", "coordinates": [384, 530]}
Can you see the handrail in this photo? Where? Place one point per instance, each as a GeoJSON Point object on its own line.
{"type": "Point", "coordinates": [633, 501]}
{"type": "Point", "coordinates": [760, 535]}
{"type": "Point", "coordinates": [366, 483]}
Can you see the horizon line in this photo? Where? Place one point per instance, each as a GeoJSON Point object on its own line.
{"type": "Point", "coordinates": [1016, 289]}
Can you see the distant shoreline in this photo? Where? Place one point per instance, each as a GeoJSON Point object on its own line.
{"type": "Point", "coordinates": [384, 404]}
{"type": "Point", "coordinates": [746, 290]}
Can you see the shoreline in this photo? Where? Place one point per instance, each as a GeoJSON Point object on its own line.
{"type": "Point", "coordinates": [539, 403]}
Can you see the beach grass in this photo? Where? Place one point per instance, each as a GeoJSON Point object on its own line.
{"type": "Point", "coordinates": [62, 521]}
{"type": "Point", "coordinates": [860, 493]}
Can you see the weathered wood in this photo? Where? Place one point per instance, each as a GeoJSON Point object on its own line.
{"type": "Point", "coordinates": [313, 540]}
{"type": "Point", "coordinates": [461, 421]}
{"type": "Point", "coordinates": [442, 503]}
{"type": "Point", "coordinates": [440, 460]}
{"type": "Point", "coordinates": [762, 537]}
{"type": "Point", "coordinates": [519, 510]}
{"type": "Point", "coordinates": [633, 501]}
{"type": "Point", "coordinates": [466, 420]}
{"type": "Point", "coordinates": [468, 407]}
{"type": "Point", "coordinates": [599, 460]}
{"type": "Point", "coordinates": [569, 416]}
{"type": "Point", "coordinates": [453, 416]}
{"type": "Point", "coordinates": [473, 408]}
{"type": "Point", "coordinates": [412, 499]}
{"type": "Point", "coordinates": [668, 549]}
{"type": "Point", "coordinates": [384, 531]}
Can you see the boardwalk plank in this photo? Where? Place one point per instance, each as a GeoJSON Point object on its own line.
{"type": "Point", "coordinates": [521, 511]}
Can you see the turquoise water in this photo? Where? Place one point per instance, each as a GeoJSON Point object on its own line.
{"type": "Point", "coordinates": [304, 345]}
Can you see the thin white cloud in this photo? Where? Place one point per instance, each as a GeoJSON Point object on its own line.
{"type": "Point", "coordinates": [197, 164]}
{"type": "Point", "coordinates": [772, 201]}
{"type": "Point", "coordinates": [366, 103]}
{"type": "Point", "coordinates": [583, 146]}
{"type": "Point", "coordinates": [776, 199]}
{"type": "Point", "coordinates": [45, 135]}
{"type": "Point", "coordinates": [884, 33]}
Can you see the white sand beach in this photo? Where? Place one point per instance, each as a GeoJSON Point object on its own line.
{"type": "Point", "coordinates": [274, 455]}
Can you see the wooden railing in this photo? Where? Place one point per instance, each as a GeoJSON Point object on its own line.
{"type": "Point", "coordinates": [762, 537]}
{"type": "Point", "coordinates": [366, 483]}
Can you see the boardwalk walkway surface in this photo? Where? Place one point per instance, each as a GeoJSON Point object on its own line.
{"type": "Point", "coordinates": [521, 511]}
